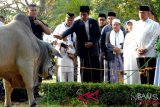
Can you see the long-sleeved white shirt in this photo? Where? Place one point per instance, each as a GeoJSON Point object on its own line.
{"type": "Point", "coordinates": [146, 33]}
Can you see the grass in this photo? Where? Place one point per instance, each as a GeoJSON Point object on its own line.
{"type": "Point", "coordinates": [39, 102]}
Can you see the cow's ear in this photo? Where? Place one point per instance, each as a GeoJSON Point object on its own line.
{"type": "Point", "coordinates": [53, 51]}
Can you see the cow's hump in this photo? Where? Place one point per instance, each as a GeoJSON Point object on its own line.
{"type": "Point", "coordinates": [23, 18]}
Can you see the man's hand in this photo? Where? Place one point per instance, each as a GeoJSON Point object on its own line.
{"type": "Point", "coordinates": [37, 22]}
{"type": "Point", "coordinates": [144, 51]}
{"type": "Point", "coordinates": [117, 50]}
{"type": "Point", "coordinates": [102, 55]}
{"type": "Point", "coordinates": [88, 44]}
{"type": "Point", "coordinates": [141, 51]}
{"type": "Point", "coordinates": [46, 30]}
{"type": "Point", "coordinates": [58, 37]}
{"type": "Point", "coordinates": [64, 39]}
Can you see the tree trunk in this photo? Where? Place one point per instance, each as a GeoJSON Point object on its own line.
{"type": "Point", "coordinates": [42, 6]}
{"type": "Point", "coordinates": [26, 1]}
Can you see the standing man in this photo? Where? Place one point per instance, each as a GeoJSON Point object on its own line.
{"type": "Point", "coordinates": [108, 28]}
{"type": "Point", "coordinates": [38, 28]}
{"type": "Point", "coordinates": [102, 21]}
{"type": "Point", "coordinates": [105, 30]}
{"type": "Point", "coordinates": [146, 32]}
{"type": "Point", "coordinates": [114, 41]}
{"type": "Point", "coordinates": [87, 32]}
{"type": "Point", "coordinates": [69, 19]}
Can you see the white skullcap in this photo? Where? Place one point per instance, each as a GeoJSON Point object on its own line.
{"type": "Point", "coordinates": [116, 21]}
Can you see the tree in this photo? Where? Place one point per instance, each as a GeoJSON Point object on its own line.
{"type": "Point", "coordinates": [9, 8]}
{"type": "Point", "coordinates": [62, 7]}
{"type": "Point", "coordinates": [125, 9]}
{"type": "Point", "coordinates": [53, 11]}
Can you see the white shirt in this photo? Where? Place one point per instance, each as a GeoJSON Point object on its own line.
{"type": "Point", "coordinates": [48, 38]}
{"type": "Point", "coordinates": [86, 23]}
{"type": "Point", "coordinates": [61, 28]}
{"type": "Point", "coordinates": [146, 33]}
{"type": "Point", "coordinates": [116, 38]}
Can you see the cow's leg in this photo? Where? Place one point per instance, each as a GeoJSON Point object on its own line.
{"type": "Point", "coordinates": [27, 71]}
{"type": "Point", "coordinates": [32, 102]}
{"type": "Point", "coordinates": [8, 91]}
{"type": "Point", "coordinates": [29, 84]}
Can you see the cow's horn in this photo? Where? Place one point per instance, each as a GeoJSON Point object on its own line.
{"type": "Point", "coordinates": [54, 51]}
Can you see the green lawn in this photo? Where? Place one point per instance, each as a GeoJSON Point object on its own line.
{"type": "Point", "coordinates": [39, 103]}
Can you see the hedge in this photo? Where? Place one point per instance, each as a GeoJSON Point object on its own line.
{"type": "Point", "coordinates": [98, 94]}
{"type": "Point", "coordinates": [106, 94]}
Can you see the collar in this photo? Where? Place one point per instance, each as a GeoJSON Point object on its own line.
{"type": "Point", "coordinates": [145, 20]}
{"type": "Point", "coordinates": [30, 18]}
{"type": "Point", "coordinates": [86, 21]}
{"type": "Point", "coordinates": [102, 26]}
{"type": "Point", "coordinates": [66, 25]}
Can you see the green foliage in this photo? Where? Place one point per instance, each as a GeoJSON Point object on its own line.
{"type": "Point", "coordinates": [155, 4]}
{"type": "Point", "coordinates": [61, 7]}
{"type": "Point", "coordinates": [125, 9]}
{"type": "Point", "coordinates": [55, 10]}
{"type": "Point", "coordinates": [66, 94]}
{"type": "Point", "coordinates": [158, 46]}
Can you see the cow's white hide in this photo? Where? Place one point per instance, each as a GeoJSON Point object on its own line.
{"type": "Point", "coordinates": [22, 57]}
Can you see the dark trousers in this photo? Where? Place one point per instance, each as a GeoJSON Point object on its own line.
{"type": "Point", "coordinates": [147, 77]}
{"type": "Point", "coordinates": [101, 60]}
{"type": "Point", "coordinates": [90, 75]}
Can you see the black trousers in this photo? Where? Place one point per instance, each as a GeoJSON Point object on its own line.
{"type": "Point", "coordinates": [90, 75]}
{"type": "Point", "coordinates": [101, 60]}
{"type": "Point", "coordinates": [147, 62]}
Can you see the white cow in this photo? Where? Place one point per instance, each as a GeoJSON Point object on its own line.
{"type": "Point", "coordinates": [22, 58]}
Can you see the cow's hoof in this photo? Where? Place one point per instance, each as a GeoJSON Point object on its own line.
{"type": "Point", "coordinates": [5, 106]}
{"type": "Point", "coordinates": [33, 104]}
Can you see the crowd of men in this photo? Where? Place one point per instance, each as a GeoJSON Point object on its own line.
{"type": "Point", "coordinates": [103, 50]}
{"type": "Point", "coordinates": [106, 51]}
